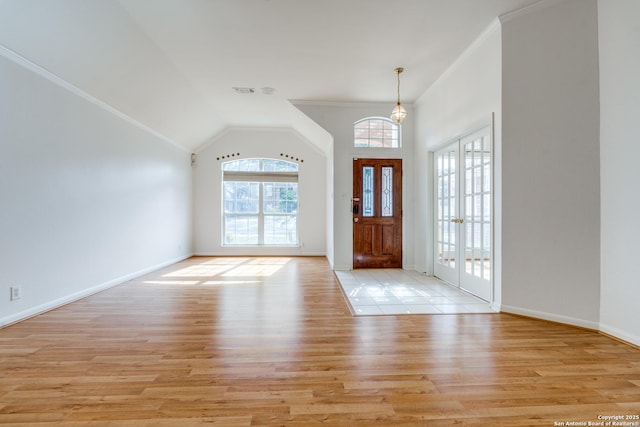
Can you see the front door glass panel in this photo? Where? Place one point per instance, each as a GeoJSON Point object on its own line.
{"type": "Point", "coordinates": [387, 191]}
{"type": "Point", "coordinates": [368, 195]}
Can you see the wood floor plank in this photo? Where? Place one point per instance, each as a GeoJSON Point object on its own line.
{"type": "Point", "coordinates": [245, 341]}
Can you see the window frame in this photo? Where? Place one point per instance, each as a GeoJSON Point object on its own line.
{"type": "Point", "coordinates": [260, 177]}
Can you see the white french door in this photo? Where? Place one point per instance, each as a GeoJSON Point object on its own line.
{"type": "Point", "coordinates": [463, 213]}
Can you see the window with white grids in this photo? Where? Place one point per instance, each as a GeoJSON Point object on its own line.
{"type": "Point", "coordinates": [260, 200]}
{"type": "Point", "coordinates": [376, 132]}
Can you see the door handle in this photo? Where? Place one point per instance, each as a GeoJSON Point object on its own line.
{"type": "Point", "coordinates": [457, 220]}
{"type": "Point", "coordinates": [356, 209]}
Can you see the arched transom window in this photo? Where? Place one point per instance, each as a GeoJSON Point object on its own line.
{"type": "Point", "coordinates": [260, 200]}
{"type": "Point", "coordinates": [376, 132]}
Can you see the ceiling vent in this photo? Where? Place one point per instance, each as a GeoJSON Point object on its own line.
{"type": "Point", "coordinates": [244, 90]}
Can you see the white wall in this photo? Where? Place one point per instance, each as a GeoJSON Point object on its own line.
{"type": "Point", "coordinates": [329, 188]}
{"type": "Point", "coordinates": [87, 198]}
{"type": "Point", "coordinates": [619, 42]}
{"type": "Point", "coordinates": [550, 158]}
{"type": "Point", "coordinates": [462, 100]}
{"type": "Point", "coordinates": [254, 143]}
{"type": "Point", "coordinates": [338, 120]}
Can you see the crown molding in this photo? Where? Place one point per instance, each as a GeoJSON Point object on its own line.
{"type": "Point", "coordinates": [59, 81]}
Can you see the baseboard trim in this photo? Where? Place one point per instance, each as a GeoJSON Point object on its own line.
{"type": "Point", "coordinates": [620, 335]}
{"type": "Point", "coordinates": [236, 253]}
{"type": "Point", "coordinates": [587, 324]}
{"type": "Point", "coordinates": [59, 302]}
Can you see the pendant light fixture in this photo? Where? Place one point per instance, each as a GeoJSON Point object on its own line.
{"type": "Point", "coordinates": [399, 113]}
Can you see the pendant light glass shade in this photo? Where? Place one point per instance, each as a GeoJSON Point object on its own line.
{"type": "Point", "coordinates": [399, 113]}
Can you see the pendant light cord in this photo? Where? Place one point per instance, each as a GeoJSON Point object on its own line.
{"type": "Point", "coordinates": [398, 73]}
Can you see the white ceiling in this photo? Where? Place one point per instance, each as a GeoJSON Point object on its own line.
{"type": "Point", "coordinates": [171, 64]}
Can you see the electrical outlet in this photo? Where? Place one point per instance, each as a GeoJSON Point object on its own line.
{"type": "Point", "coordinates": [16, 293]}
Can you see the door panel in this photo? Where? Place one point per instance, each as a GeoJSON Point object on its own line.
{"type": "Point", "coordinates": [475, 277]}
{"type": "Point", "coordinates": [377, 213]}
{"type": "Point", "coordinates": [388, 240]}
{"type": "Point", "coordinates": [446, 214]}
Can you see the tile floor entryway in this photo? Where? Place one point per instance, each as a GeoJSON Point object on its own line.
{"type": "Point", "coordinates": [372, 292]}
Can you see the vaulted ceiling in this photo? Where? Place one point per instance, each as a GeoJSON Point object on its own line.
{"type": "Point", "coordinates": [172, 64]}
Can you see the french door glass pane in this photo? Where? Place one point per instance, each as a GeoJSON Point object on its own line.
{"type": "Point", "coordinates": [452, 186]}
{"type": "Point", "coordinates": [445, 187]}
{"type": "Point", "coordinates": [486, 148]}
{"type": "Point", "coordinates": [486, 176]}
{"type": "Point", "coordinates": [477, 179]}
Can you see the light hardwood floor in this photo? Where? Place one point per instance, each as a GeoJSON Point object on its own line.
{"type": "Point", "coordinates": [271, 341]}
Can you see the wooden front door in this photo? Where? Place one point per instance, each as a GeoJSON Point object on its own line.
{"type": "Point", "coordinates": [377, 213]}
